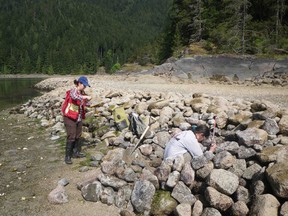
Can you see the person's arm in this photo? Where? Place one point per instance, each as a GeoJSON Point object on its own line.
{"type": "Point", "coordinates": [76, 96]}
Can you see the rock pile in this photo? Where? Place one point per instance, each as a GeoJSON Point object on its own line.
{"type": "Point", "coordinates": [246, 175]}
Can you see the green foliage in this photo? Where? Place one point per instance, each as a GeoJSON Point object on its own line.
{"type": "Point", "coordinates": [69, 36]}
{"type": "Point", "coordinates": [79, 37]}
{"type": "Point", "coordinates": [236, 26]}
{"type": "Point", "coordinates": [115, 67]}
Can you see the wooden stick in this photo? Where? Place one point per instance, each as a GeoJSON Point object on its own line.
{"type": "Point", "coordinates": [142, 136]}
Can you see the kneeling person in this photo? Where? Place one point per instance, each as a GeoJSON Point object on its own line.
{"type": "Point", "coordinates": [188, 141]}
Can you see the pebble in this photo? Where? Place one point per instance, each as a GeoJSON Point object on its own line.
{"type": "Point", "coordinates": [63, 182]}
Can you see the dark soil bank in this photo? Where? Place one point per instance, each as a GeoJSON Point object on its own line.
{"type": "Point", "coordinates": [27, 159]}
{"type": "Point", "coordinates": [31, 164]}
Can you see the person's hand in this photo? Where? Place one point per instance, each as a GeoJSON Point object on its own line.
{"type": "Point", "coordinates": [88, 97]}
{"type": "Point", "coordinates": [213, 147]}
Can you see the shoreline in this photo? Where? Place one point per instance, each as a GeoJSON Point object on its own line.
{"type": "Point", "coordinates": [52, 164]}
{"type": "Point", "coordinates": [24, 76]}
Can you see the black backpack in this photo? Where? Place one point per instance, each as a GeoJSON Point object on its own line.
{"type": "Point", "coordinates": [137, 126]}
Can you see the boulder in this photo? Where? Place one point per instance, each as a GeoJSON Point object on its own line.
{"type": "Point", "coordinates": [218, 200]}
{"type": "Point", "coordinates": [183, 194]}
{"type": "Point", "coordinates": [239, 209]}
{"type": "Point", "coordinates": [183, 209]}
{"type": "Point", "coordinates": [58, 195]}
{"type": "Point", "coordinates": [283, 125]}
{"type": "Point", "coordinates": [252, 136]}
{"type": "Point", "coordinates": [265, 205]}
{"type": "Point", "coordinates": [273, 154]}
{"type": "Point", "coordinates": [142, 196]}
{"type": "Point", "coordinates": [223, 181]}
{"type": "Point", "coordinates": [91, 192]}
{"type": "Point", "coordinates": [277, 176]}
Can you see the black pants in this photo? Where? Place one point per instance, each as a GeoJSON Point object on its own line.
{"type": "Point", "coordinates": [73, 129]}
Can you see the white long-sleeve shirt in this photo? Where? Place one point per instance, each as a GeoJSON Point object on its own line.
{"type": "Point", "coordinates": [182, 142]}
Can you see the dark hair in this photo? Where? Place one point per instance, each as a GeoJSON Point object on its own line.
{"type": "Point", "coordinates": [202, 129]}
{"type": "Point", "coordinates": [76, 82]}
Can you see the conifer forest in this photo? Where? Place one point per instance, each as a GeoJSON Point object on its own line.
{"type": "Point", "coordinates": [78, 37]}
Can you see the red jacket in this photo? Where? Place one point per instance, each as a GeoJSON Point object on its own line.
{"type": "Point", "coordinates": [71, 108]}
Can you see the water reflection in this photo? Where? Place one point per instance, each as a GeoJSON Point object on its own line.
{"type": "Point", "coordinates": [14, 91]}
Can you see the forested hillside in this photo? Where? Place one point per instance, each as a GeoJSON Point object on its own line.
{"type": "Point", "coordinates": [76, 36]}
{"type": "Point", "coordinates": [69, 36]}
{"type": "Point", "coordinates": [231, 26]}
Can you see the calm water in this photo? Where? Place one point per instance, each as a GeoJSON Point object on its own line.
{"type": "Point", "coordinates": [15, 91]}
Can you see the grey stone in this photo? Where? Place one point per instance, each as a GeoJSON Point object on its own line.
{"type": "Point", "coordinates": [97, 156]}
{"type": "Point", "coordinates": [197, 208]}
{"type": "Point", "coordinates": [142, 196]}
{"type": "Point", "coordinates": [111, 181]}
{"type": "Point", "coordinates": [173, 179]}
{"type": "Point", "coordinates": [112, 160]}
{"type": "Point", "coordinates": [183, 209]}
{"type": "Point", "coordinates": [284, 209]}
{"type": "Point", "coordinates": [231, 147]}
{"type": "Point", "coordinates": [161, 138]}
{"type": "Point", "coordinates": [92, 191]}
{"type": "Point", "coordinates": [251, 171]}
{"type": "Point", "coordinates": [223, 181]}
{"type": "Point", "coordinates": [83, 169]}
{"type": "Point", "coordinates": [58, 195]}
{"type": "Point", "coordinates": [107, 196]}
{"type": "Point", "coordinates": [146, 149]}
{"type": "Point", "coordinates": [163, 172]}
{"type": "Point", "coordinates": [245, 153]}
{"type": "Point", "coordinates": [199, 162]}
{"type": "Point", "coordinates": [277, 177]}
{"type": "Point", "coordinates": [160, 104]}
{"type": "Point", "coordinates": [93, 164]}
{"type": "Point", "coordinates": [224, 160]}
{"type": "Point", "coordinates": [126, 212]}
{"type": "Point", "coordinates": [242, 194]}
{"type": "Point", "coordinates": [218, 200]}
{"type": "Point", "coordinates": [149, 176]}
{"type": "Point", "coordinates": [271, 126]}
{"type": "Point", "coordinates": [183, 194]}
{"type": "Point", "coordinates": [283, 125]}
{"type": "Point", "coordinates": [138, 163]}
{"type": "Point", "coordinates": [252, 136]}
{"type": "Point", "coordinates": [126, 174]}
{"type": "Point", "coordinates": [258, 187]}
{"type": "Point", "coordinates": [284, 140]}
{"type": "Point", "coordinates": [120, 198]}
{"type": "Point", "coordinates": [239, 209]}
{"type": "Point", "coordinates": [238, 167]}
{"type": "Point", "coordinates": [205, 171]}
{"type": "Point", "coordinates": [265, 205]}
{"type": "Point", "coordinates": [210, 212]}
{"type": "Point", "coordinates": [178, 119]}
{"type": "Point", "coordinates": [187, 174]}
{"type": "Point", "coordinates": [273, 154]}
{"type": "Point", "coordinates": [63, 182]}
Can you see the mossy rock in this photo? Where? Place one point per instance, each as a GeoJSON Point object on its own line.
{"type": "Point", "coordinates": [102, 147]}
{"type": "Point", "coordinates": [163, 203]}
{"type": "Point", "coordinates": [102, 130]}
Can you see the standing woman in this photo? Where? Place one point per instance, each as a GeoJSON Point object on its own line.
{"type": "Point", "coordinates": [74, 112]}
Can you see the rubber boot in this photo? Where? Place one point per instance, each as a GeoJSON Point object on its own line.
{"type": "Point", "coordinates": [68, 153]}
{"type": "Point", "coordinates": [77, 150]}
